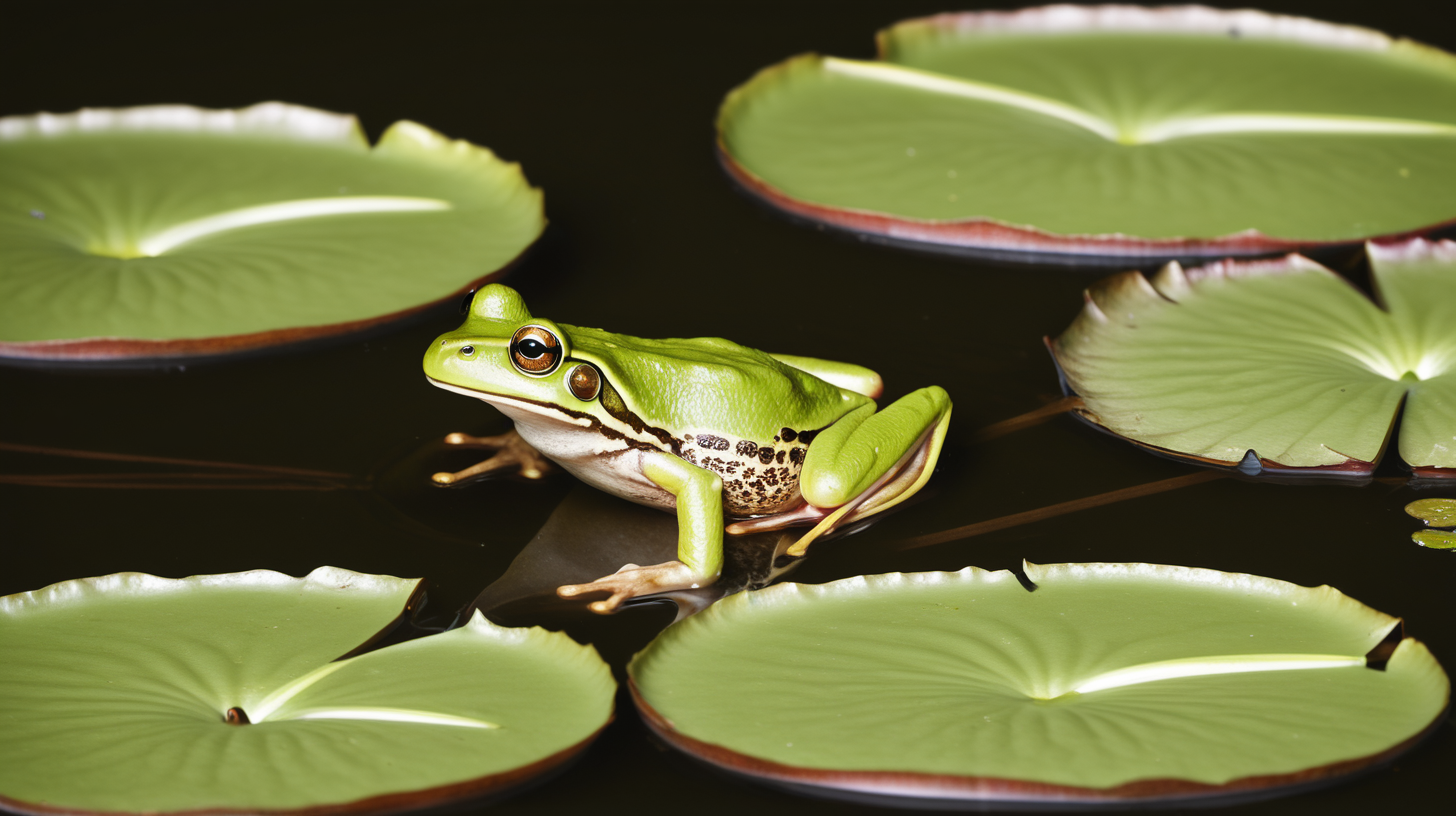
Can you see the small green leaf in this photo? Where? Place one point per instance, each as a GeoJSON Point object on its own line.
{"type": "Point", "coordinates": [1435, 512]}
{"type": "Point", "coordinates": [1107, 676]}
{"type": "Point", "coordinates": [172, 230]}
{"type": "Point", "coordinates": [1280, 358]}
{"type": "Point", "coordinates": [1107, 130]}
{"type": "Point", "coordinates": [1435, 539]}
{"type": "Point", "coordinates": [116, 694]}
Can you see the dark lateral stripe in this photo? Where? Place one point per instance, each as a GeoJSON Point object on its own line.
{"type": "Point", "coordinates": [594, 424]}
{"type": "Point", "coordinates": [612, 401]}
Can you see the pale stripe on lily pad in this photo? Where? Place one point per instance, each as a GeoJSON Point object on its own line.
{"type": "Point", "coordinates": [168, 230]}
{"type": "Point", "coordinates": [1108, 683]}
{"type": "Point", "coordinates": [1111, 130]}
{"type": "Point", "coordinates": [118, 695]}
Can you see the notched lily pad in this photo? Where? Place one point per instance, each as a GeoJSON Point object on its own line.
{"type": "Point", "coordinates": [1111, 130]}
{"type": "Point", "coordinates": [1110, 683]}
{"type": "Point", "coordinates": [1275, 365]}
{"type": "Point", "coordinates": [136, 694]}
{"type": "Point", "coordinates": [172, 231]}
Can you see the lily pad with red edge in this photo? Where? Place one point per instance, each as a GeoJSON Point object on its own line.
{"type": "Point", "coordinates": [223, 693]}
{"type": "Point", "coordinates": [1277, 365]}
{"type": "Point", "coordinates": [1110, 684]}
{"type": "Point", "coordinates": [173, 231]}
{"type": "Point", "coordinates": [1111, 130]}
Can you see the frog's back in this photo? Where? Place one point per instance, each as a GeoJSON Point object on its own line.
{"type": "Point", "coordinates": [711, 384]}
{"type": "Point", "coordinates": [724, 407]}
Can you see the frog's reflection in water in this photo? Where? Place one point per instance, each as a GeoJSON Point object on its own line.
{"type": "Point", "coordinates": [592, 533]}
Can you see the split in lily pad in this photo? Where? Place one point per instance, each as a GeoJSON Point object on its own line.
{"type": "Point", "coordinates": [1276, 365]}
{"type": "Point", "coordinates": [172, 231]}
{"type": "Point", "coordinates": [136, 694]}
{"type": "Point", "coordinates": [1111, 130]}
{"type": "Point", "coordinates": [1436, 513]}
{"type": "Point", "coordinates": [1110, 683]}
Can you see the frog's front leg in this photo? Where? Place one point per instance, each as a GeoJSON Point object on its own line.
{"type": "Point", "coordinates": [868, 462]}
{"type": "Point", "coordinates": [511, 453]}
{"type": "Point", "coordinates": [699, 494]}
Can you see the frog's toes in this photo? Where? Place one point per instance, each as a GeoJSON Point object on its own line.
{"type": "Point", "coordinates": [632, 581]}
{"type": "Point", "coordinates": [611, 604]}
{"type": "Point", "coordinates": [512, 454]}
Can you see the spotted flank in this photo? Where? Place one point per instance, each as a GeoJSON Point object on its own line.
{"type": "Point", "coordinates": [757, 478]}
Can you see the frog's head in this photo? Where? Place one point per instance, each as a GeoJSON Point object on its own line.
{"type": "Point", "coordinates": [502, 351]}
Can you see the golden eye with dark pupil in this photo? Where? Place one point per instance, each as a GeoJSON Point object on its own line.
{"type": "Point", "coordinates": [585, 383]}
{"type": "Point", "coordinates": [535, 350]}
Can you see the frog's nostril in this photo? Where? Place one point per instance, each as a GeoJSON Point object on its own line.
{"type": "Point", "coordinates": [467, 351]}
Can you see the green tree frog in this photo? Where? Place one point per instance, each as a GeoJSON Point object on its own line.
{"type": "Point", "coordinates": [702, 426]}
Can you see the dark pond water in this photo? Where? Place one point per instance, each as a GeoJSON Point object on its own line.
{"type": "Point", "coordinates": [610, 110]}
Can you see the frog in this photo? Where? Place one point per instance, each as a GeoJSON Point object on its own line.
{"type": "Point", "coordinates": [732, 439]}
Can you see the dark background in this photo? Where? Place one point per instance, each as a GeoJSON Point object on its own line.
{"type": "Point", "coordinates": [610, 110]}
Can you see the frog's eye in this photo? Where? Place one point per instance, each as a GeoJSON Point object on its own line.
{"type": "Point", "coordinates": [585, 383]}
{"type": "Point", "coordinates": [535, 351]}
{"type": "Point", "coordinates": [465, 302]}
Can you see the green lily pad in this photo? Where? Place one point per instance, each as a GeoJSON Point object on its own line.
{"type": "Point", "coordinates": [1435, 512]}
{"type": "Point", "coordinates": [116, 695]}
{"type": "Point", "coordinates": [1435, 539]}
{"type": "Point", "coordinates": [1275, 364]}
{"type": "Point", "coordinates": [1109, 683]}
{"type": "Point", "coordinates": [170, 231]}
{"type": "Point", "coordinates": [1108, 130]}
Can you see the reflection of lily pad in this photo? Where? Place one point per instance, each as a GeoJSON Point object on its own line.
{"type": "Point", "coordinates": [1112, 131]}
{"type": "Point", "coordinates": [170, 230]}
{"type": "Point", "coordinates": [1280, 361]}
{"type": "Point", "coordinates": [1110, 682]}
{"type": "Point", "coordinates": [115, 693]}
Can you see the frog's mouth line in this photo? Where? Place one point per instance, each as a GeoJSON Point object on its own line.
{"type": "Point", "coordinates": [541, 409]}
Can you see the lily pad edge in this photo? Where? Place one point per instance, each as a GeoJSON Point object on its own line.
{"type": "Point", "coordinates": [893, 788]}
{"type": "Point", "coordinates": [269, 119]}
{"type": "Point", "coordinates": [453, 793]}
{"type": "Point", "coordinates": [1252, 463]}
{"type": "Point", "coordinates": [983, 236]}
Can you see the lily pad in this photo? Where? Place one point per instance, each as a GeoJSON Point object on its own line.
{"type": "Point", "coordinates": [171, 231]}
{"type": "Point", "coordinates": [117, 695]}
{"type": "Point", "coordinates": [1279, 365]}
{"type": "Point", "coordinates": [1110, 130]}
{"type": "Point", "coordinates": [1435, 539]}
{"type": "Point", "coordinates": [1436, 513]}
{"type": "Point", "coordinates": [1109, 683]}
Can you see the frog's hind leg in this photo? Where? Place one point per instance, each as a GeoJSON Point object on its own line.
{"type": "Point", "coordinates": [869, 462]}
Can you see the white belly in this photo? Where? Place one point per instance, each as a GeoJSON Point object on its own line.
{"type": "Point", "coordinates": [610, 465]}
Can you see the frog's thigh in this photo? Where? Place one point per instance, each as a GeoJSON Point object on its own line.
{"type": "Point", "coordinates": [849, 376]}
{"type": "Point", "coordinates": [849, 457]}
{"type": "Point", "coordinates": [699, 495]}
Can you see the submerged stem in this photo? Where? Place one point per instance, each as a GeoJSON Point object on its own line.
{"type": "Point", "coordinates": [1018, 519]}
